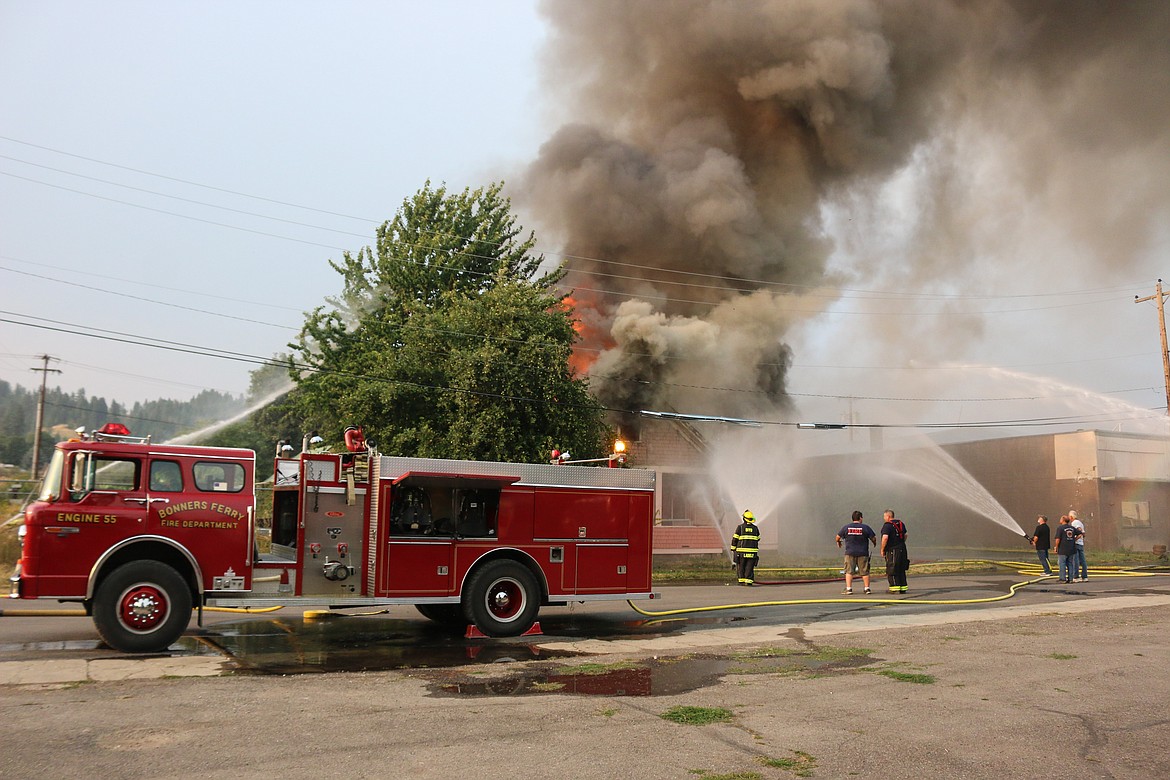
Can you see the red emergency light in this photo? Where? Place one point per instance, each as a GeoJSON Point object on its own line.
{"type": "Point", "coordinates": [114, 429]}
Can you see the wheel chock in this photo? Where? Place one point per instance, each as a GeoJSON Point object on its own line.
{"type": "Point", "coordinates": [474, 633]}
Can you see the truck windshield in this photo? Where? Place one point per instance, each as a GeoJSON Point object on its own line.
{"type": "Point", "coordinates": [51, 484]}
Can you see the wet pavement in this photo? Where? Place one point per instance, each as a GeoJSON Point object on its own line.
{"type": "Point", "coordinates": [810, 689]}
{"type": "Point", "coordinates": [398, 638]}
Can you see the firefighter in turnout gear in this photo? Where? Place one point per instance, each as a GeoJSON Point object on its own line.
{"type": "Point", "coordinates": [745, 548]}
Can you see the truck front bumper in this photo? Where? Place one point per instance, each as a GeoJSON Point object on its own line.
{"type": "Point", "coordinates": [14, 583]}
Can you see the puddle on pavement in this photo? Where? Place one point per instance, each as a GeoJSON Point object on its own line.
{"type": "Point", "coordinates": [650, 677]}
{"type": "Point", "coordinates": [352, 644]}
{"type": "Point", "coordinates": [341, 643]}
{"type": "Point", "coordinates": [644, 678]}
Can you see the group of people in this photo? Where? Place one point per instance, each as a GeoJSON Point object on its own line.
{"type": "Point", "coordinates": [1069, 546]}
{"type": "Point", "coordinates": [856, 538]}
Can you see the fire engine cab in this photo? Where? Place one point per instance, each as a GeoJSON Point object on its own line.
{"type": "Point", "coordinates": [141, 533]}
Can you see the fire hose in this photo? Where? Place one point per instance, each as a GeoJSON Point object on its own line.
{"type": "Point", "coordinates": [1023, 568]}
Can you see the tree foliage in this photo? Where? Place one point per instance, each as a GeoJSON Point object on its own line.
{"type": "Point", "coordinates": [446, 341]}
{"type": "Point", "coordinates": [65, 412]}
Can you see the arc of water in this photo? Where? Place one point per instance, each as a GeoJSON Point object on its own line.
{"type": "Point", "coordinates": [194, 436]}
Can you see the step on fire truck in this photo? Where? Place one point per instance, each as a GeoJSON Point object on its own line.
{"type": "Point", "coordinates": [142, 533]}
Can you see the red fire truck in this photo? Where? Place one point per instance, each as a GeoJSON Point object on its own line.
{"type": "Point", "coordinates": [141, 533]}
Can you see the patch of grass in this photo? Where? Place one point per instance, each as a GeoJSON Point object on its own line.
{"type": "Point", "coordinates": [9, 543]}
{"type": "Point", "coordinates": [698, 716]}
{"type": "Point", "coordinates": [781, 670]}
{"type": "Point", "coordinates": [548, 686]}
{"type": "Point", "coordinates": [1062, 656]}
{"type": "Point", "coordinates": [767, 652]}
{"type": "Point", "coordinates": [693, 571]}
{"type": "Point", "coordinates": [607, 712]}
{"type": "Point", "coordinates": [775, 568]}
{"type": "Point", "coordinates": [831, 654]}
{"type": "Point", "coordinates": [910, 677]}
{"type": "Point", "coordinates": [801, 764]}
{"type": "Point", "coordinates": [820, 654]}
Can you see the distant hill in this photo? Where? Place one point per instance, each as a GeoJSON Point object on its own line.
{"type": "Point", "coordinates": [65, 412]}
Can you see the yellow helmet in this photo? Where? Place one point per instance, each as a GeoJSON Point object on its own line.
{"type": "Point", "coordinates": [748, 516]}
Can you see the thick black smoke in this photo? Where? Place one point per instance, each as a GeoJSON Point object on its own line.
{"type": "Point", "coordinates": [712, 147]}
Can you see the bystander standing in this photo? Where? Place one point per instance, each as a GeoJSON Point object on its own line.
{"type": "Point", "coordinates": [1066, 548]}
{"type": "Point", "coordinates": [857, 538]}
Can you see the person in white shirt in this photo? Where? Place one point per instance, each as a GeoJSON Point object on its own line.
{"type": "Point", "coordinates": [1080, 567]}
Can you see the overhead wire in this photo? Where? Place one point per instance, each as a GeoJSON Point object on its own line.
{"type": "Point", "coordinates": [738, 284]}
{"type": "Point", "coordinates": [835, 293]}
{"type": "Point", "coordinates": [576, 347]}
{"type": "Point", "coordinates": [215, 352]}
{"type": "Point", "coordinates": [660, 383]}
{"type": "Point", "coordinates": [839, 293]}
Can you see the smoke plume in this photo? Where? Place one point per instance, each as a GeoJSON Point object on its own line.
{"type": "Point", "coordinates": [728, 171]}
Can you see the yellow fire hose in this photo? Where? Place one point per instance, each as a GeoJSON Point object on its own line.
{"type": "Point", "coordinates": [1024, 568]}
{"type": "Point", "coordinates": [42, 613]}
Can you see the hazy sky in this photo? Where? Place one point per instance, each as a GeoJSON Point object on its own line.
{"type": "Point", "coordinates": [341, 107]}
{"type": "Point", "coordinates": [183, 171]}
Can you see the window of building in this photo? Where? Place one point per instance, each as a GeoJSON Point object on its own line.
{"type": "Point", "coordinates": [1135, 514]}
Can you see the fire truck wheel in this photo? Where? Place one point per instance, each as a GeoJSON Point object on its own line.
{"type": "Point", "coordinates": [142, 606]}
{"type": "Point", "coordinates": [449, 615]}
{"type": "Point", "coordinates": [502, 599]}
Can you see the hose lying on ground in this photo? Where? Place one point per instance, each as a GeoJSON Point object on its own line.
{"type": "Point", "coordinates": [1026, 569]}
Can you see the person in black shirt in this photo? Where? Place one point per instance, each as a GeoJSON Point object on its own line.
{"type": "Point", "coordinates": [1066, 548]}
{"type": "Point", "coordinates": [893, 549]}
{"type": "Point", "coordinates": [856, 538]}
{"type": "Point", "coordinates": [1042, 540]}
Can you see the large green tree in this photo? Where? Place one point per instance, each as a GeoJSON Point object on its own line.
{"type": "Point", "coordinates": [447, 341]}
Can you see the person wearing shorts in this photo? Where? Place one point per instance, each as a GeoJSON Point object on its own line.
{"type": "Point", "coordinates": [857, 538]}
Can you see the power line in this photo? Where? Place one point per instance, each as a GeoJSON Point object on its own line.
{"type": "Point", "coordinates": [181, 181]}
{"type": "Point", "coordinates": [147, 300]}
{"type": "Point", "coordinates": [175, 197]}
{"type": "Point", "coordinates": [145, 284]}
{"type": "Point", "coordinates": [740, 284]}
{"type": "Point", "coordinates": [243, 357]}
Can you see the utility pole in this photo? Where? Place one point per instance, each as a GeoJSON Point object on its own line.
{"type": "Point", "coordinates": [1161, 298]}
{"type": "Point", "coordinates": [45, 371]}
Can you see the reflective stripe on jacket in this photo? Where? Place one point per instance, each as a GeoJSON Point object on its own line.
{"type": "Point", "coordinates": [746, 540]}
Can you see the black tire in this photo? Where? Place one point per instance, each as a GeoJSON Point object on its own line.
{"type": "Point", "coordinates": [446, 615]}
{"type": "Point", "coordinates": [142, 607]}
{"type": "Point", "coordinates": [502, 599]}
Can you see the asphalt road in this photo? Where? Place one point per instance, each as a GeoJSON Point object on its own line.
{"type": "Point", "coordinates": [1055, 680]}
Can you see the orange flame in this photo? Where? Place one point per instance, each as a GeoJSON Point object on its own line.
{"type": "Point", "coordinates": [592, 332]}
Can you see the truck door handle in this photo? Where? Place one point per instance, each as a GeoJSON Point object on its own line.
{"type": "Point", "coordinates": [160, 500]}
{"type": "Point", "coordinates": [133, 500]}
